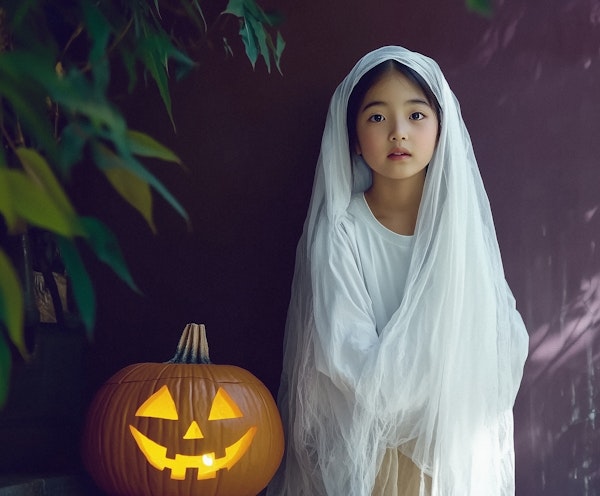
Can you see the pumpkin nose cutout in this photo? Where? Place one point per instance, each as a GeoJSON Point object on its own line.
{"type": "Point", "coordinates": [194, 431]}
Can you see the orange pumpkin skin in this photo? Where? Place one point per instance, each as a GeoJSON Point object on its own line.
{"type": "Point", "coordinates": [115, 459]}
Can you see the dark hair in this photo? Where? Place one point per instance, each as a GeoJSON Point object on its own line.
{"type": "Point", "coordinates": [370, 78]}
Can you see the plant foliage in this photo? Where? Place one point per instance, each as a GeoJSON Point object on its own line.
{"type": "Point", "coordinates": [481, 7]}
{"type": "Point", "coordinates": [56, 113]}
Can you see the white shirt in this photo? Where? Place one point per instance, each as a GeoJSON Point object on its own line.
{"type": "Point", "coordinates": [359, 277]}
{"type": "Point", "coordinates": [384, 257]}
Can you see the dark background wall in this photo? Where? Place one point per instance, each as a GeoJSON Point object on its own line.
{"type": "Point", "coordinates": [528, 81]}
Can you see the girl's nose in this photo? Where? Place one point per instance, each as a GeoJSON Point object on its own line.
{"type": "Point", "coordinates": [398, 131]}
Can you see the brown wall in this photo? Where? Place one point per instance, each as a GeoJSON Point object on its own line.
{"type": "Point", "coordinates": [529, 83]}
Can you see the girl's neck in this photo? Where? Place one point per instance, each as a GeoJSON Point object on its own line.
{"type": "Point", "coordinates": [395, 203]}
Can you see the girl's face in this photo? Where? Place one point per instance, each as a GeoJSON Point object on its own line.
{"type": "Point", "coordinates": [396, 128]}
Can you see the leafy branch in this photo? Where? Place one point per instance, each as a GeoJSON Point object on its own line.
{"type": "Point", "coordinates": [56, 115]}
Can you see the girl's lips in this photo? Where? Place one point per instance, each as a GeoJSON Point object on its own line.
{"type": "Point", "coordinates": [399, 153]}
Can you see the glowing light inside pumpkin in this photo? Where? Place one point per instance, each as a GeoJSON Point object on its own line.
{"type": "Point", "coordinates": [162, 405]}
{"type": "Point", "coordinates": [194, 431]}
{"type": "Point", "coordinates": [159, 405]}
{"type": "Point", "coordinates": [224, 407]}
{"type": "Point", "coordinates": [206, 464]}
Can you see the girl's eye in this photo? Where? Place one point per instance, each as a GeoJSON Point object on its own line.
{"type": "Point", "coordinates": [417, 116]}
{"type": "Point", "coordinates": [377, 118]}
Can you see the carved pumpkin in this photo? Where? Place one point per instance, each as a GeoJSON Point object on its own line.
{"type": "Point", "coordinates": [185, 427]}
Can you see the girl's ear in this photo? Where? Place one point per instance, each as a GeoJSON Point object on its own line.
{"type": "Point", "coordinates": [357, 149]}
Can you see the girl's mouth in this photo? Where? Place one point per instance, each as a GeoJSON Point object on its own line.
{"type": "Point", "coordinates": [399, 152]}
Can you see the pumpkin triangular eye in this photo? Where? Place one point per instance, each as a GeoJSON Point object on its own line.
{"type": "Point", "coordinates": [224, 407]}
{"type": "Point", "coordinates": [159, 405]}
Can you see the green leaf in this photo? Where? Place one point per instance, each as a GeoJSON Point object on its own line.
{"type": "Point", "coordinates": [11, 303]}
{"type": "Point", "coordinates": [279, 47]}
{"type": "Point", "coordinates": [145, 146]}
{"type": "Point", "coordinates": [254, 10]}
{"type": "Point", "coordinates": [99, 32]}
{"type": "Point", "coordinates": [482, 7]}
{"type": "Point", "coordinates": [106, 247]}
{"type": "Point", "coordinates": [260, 35]}
{"type": "Point", "coordinates": [83, 291]}
{"type": "Point", "coordinates": [72, 142]}
{"type": "Point", "coordinates": [5, 366]}
{"type": "Point", "coordinates": [254, 31]}
{"type": "Point", "coordinates": [155, 50]}
{"type": "Point", "coordinates": [129, 62]}
{"type": "Point", "coordinates": [131, 187]}
{"type": "Point", "coordinates": [154, 60]}
{"type": "Point", "coordinates": [249, 42]}
{"type": "Point", "coordinates": [31, 202]}
{"type": "Point", "coordinates": [38, 169]}
{"type": "Point", "coordinates": [6, 206]}
{"type": "Point", "coordinates": [76, 94]}
{"type": "Point", "coordinates": [235, 7]}
{"type": "Point", "coordinates": [106, 159]}
{"type": "Point", "coordinates": [23, 79]}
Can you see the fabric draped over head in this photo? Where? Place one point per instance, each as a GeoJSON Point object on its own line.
{"type": "Point", "coordinates": [440, 379]}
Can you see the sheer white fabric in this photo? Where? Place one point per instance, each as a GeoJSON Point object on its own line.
{"type": "Point", "coordinates": [439, 381]}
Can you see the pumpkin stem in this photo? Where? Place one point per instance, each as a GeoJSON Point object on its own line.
{"type": "Point", "coordinates": [193, 346]}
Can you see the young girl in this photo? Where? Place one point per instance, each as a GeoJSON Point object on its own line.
{"type": "Point", "coordinates": [403, 348]}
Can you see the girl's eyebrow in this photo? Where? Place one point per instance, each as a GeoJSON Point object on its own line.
{"type": "Point", "coordinates": [411, 101]}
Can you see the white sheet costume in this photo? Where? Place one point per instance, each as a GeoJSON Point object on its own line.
{"type": "Point", "coordinates": [432, 375]}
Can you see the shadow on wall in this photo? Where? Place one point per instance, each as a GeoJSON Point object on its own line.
{"type": "Point", "coordinates": [559, 437]}
{"type": "Point", "coordinates": [541, 65]}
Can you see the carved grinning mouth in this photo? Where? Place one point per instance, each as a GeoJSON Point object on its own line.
{"type": "Point", "coordinates": [206, 463]}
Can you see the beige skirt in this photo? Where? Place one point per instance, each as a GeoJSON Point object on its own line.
{"type": "Point", "coordinates": [398, 476]}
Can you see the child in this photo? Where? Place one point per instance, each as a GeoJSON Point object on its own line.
{"type": "Point", "coordinates": [403, 348]}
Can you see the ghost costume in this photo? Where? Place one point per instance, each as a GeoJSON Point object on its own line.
{"type": "Point", "coordinates": [402, 354]}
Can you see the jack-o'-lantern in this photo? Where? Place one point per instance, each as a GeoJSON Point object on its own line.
{"type": "Point", "coordinates": [185, 427]}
